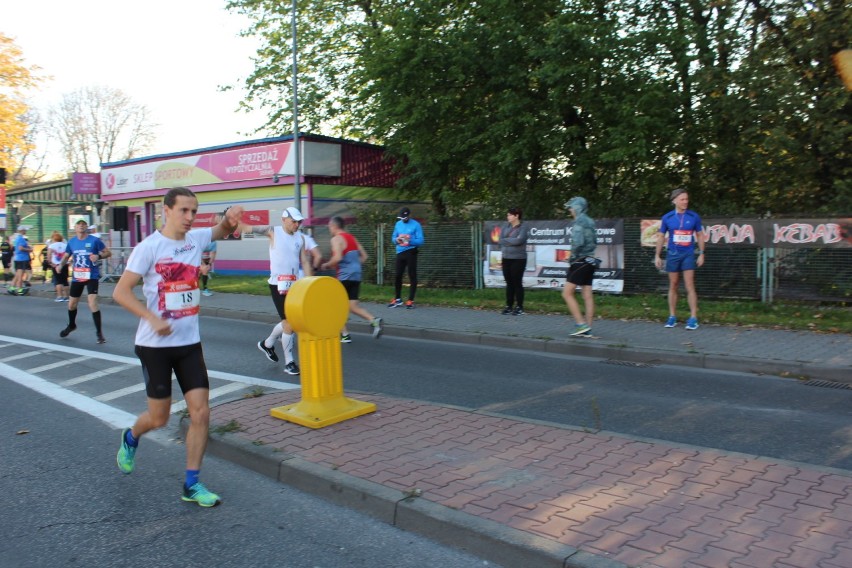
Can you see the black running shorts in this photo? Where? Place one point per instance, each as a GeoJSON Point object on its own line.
{"type": "Point", "coordinates": [76, 288]}
{"type": "Point", "coordinates": [581, 273]}
{"type": "Point", "coordinates": [278, 299]}
{"type": "Point", "coordinates": [158, 363]}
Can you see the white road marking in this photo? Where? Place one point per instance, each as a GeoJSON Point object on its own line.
{"type": "Point", "coordinates": [113, 416]}
{"type": "Point", "coordinates": [22, 356]}
{"type": "Point", "coordinates": [57, 364]}
{"type": "Point", "coordinates": [95, 374]}
{"type": "Point", "coordinates": [279, 385]}
{"type": "Point", "coordinates": [96, 407]}
{"type": "Point", "coordinates": [120, 392]}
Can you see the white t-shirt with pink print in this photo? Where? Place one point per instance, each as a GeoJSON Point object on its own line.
{"type": "Point", "coordinates": [169, 271]}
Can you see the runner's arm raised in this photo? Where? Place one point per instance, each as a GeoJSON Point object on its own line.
{"type": "Point", "coordinates": [230, 221]}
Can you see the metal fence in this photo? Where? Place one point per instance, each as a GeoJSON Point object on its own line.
{"type": "Point", "coordinates": [113, 267]}
{"type": "Point", "coordinates": [448, 260]}
{"type": "Point", "coordinates": [452, 258]}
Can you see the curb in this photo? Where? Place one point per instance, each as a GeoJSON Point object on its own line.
{"type": "Point", "coordinates": [480, 537]}
{"type": "Point", "coordinates": [626, 353]}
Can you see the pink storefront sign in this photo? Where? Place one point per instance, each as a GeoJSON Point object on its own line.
{"type": "Point", "coordinates": [259, 162]}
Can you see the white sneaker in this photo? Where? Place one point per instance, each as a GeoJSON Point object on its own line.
{"type": "Point", "coordinates": [378, 328]}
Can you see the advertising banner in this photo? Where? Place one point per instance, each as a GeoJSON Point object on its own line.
{"type": "Point", "coordinates": [254, 163]}
{"type": "Point", "coordinates": [780, 233]}
{"type": "Point", "coordinates": [85, 183]}
{"type": "Point", "coordinates": [549, 254]}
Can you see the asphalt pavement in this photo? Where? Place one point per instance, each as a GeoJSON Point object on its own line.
{"type": "Point", "coordinates": [530, 493]}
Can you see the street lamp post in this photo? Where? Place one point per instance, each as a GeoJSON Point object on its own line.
{"type": "Point", "coordinates": [297, 189]}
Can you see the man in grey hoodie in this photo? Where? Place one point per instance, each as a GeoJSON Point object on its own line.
{"type": "Point", "coordinates": [581, 271]}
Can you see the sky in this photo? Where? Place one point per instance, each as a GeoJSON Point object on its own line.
{"type": "Point", "coordinates": [169, 55]}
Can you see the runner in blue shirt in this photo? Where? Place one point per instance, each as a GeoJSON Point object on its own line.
{"type": "Point", "coordinates": [21, 250]}
{"type": "Point", "coordinates": [84, 252]}
{"type": "Point", "coordinates": [684, 230]}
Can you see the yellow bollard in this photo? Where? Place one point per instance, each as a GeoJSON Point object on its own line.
{"type": "Point", "coordinates": [317, 308]}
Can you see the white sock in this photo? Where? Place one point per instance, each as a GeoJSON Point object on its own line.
{"type": "Point", "coordinates": [269, 342]}
{"type": "Point", "coordinates": [287, 344]}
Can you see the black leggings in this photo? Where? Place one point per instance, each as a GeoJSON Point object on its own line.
{"type": "Point", "coordinates": [513, 272]}
{"type": "Point", "coordinates": [406, 259]}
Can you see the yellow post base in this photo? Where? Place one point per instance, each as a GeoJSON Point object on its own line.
{"type": "Point", "coordinates": [317, 308]}
{"type": "Point", "coordinates": [317, 414]}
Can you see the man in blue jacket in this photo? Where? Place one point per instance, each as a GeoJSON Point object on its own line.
{"type": "Point", "coordinates": [408, 237]}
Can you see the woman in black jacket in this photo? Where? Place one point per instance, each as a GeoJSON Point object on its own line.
{"type": "Point", "coordinates": [513, 245]}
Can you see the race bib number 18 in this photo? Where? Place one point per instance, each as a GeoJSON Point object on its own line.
{"type": "Point", "coordinates": [181, 298]}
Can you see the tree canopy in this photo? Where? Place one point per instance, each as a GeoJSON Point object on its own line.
{"type": "Point", "coordinates": [16, 118]}
{"type": "Point", "coordinates": [500, 102]}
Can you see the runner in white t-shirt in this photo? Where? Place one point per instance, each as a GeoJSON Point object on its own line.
{"type": "Point", "coordinates": [168, 339]}
{"type": "Point", "coordinates": [287, 256]}
{"type": "Point", "coordinates": [56, 252]}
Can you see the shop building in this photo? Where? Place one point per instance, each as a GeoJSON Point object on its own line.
{"type": "Point", "coordinates": [336, 176]}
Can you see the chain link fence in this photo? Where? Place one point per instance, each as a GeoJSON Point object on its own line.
{"type": "Point", "coordinates": [452, 258]}
{"type": "Point", "coordinates": [113, 267]}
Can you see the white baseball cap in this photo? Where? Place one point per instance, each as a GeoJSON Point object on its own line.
{"type": "Point", "coordinates": [293, 213]}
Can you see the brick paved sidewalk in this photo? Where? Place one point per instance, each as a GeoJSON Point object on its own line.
{"type": "Point", "coordinates": [623, 500]}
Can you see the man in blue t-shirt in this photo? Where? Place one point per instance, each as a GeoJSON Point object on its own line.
{"type": "Point", "coordinates": [685, 233]}
{"type": "Point", "coordinates": [21, 250]}
{"type": "Point", "coordinates": [84, 252]}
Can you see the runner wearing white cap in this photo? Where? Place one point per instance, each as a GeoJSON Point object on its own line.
{"type": "Point", "coordinates": [286, 254]}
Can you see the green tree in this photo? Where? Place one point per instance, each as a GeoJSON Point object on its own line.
{"type": "Point", "coordinates": [807, 129]}
{"type": "Point", "coordinates": [500, 102]}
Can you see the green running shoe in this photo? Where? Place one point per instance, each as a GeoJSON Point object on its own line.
{"type": "Point", "coordinates": [126, 454]}
{"type": "Point", "coordinates": [201, 495]}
